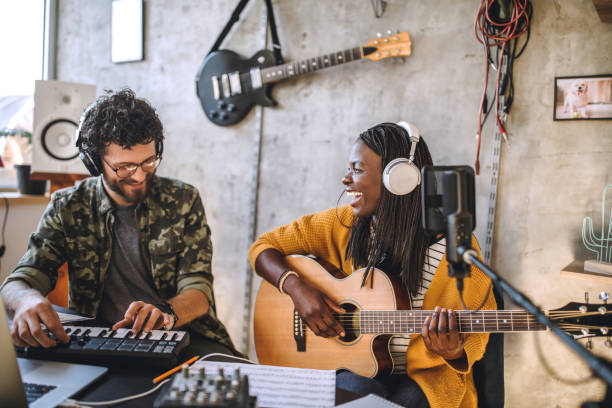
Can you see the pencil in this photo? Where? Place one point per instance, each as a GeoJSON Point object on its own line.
{"type": "Point", "coordinates": [174, 370]}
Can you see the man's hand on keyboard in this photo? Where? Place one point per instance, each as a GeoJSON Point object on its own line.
{"type": "Point", "coordinates": [142, 316]}
{"type": "Point", "coordinates": [27, 330]}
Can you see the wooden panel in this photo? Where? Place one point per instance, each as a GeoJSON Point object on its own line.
{"type": "Point", "coordinates": [604, 9]}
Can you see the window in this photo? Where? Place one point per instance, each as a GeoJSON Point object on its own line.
{"type": "Point", "coordinates": [23, 55]}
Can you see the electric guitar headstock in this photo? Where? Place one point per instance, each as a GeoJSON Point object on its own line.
{"type": "Point", "coordinates": [394, 45]}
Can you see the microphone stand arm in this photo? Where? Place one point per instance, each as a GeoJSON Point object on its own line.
{"type": "Point", "coordinates": [599, 366]}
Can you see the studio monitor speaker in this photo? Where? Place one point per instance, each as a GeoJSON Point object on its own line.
{"type": "Point", "coordinates": [58, 107]}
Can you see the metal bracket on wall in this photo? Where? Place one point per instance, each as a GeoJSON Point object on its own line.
{"type": "Point", "coordinates": [253, 200]}
{"type": "Point", "coordinates": [495, 165]}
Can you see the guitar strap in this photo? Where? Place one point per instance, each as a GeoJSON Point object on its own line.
{"type": "Point", "coordinates": [276, 48]}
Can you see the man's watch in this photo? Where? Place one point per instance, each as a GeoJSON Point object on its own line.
{"type": "Point", "coordinates": [167, 308]}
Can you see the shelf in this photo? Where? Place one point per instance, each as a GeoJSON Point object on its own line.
{"type": "Point", "coordinates": [576, 270]}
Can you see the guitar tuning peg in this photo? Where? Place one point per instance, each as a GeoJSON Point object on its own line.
{"type": "Point", "coordinates": [584, 331]}
{"type": "Point", "coordinates": [582, 309]}
{"type": "Point", "coordinates": [603, 330]}
{"type": "Point", "coordinates": [604, 296]}
{"type": "Point", "coordinates": [389, 32]}
{"type": "Point", "coordinates": [602, 310]}
{"type": "Point", "coordinates": [608, 343]}
{"type": "Point", "coordinates": [378, 35]}
{"type": "Point", "coordinates": [589, 344]}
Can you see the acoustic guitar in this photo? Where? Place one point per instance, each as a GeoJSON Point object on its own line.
{"type": "Point", "coordinates": [228, 85]}
{"type": "Point", "coordinates": [374, 315]}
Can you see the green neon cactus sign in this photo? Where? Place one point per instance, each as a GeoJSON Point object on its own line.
{"type": "Point", "coordinates": [602, 244]}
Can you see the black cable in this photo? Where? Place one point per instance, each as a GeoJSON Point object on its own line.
{"type": "Point", "coordinates": [494, 28]}
{"type": "Point", "coordinates": [484, 301]}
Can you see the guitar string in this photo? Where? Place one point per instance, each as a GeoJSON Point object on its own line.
{"type": "Point", "coordinates": [520, 320]}
{"type": "Point", "coordinates": [488, 314]}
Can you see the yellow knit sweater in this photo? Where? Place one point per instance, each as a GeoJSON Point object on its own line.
{"type": "Point", "coordinates": [324, 236]}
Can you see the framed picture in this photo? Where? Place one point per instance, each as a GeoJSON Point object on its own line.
{"type": "Point", "coordinates": [583, 97]}
{"type": "Point", "coordinates": [127, 31]}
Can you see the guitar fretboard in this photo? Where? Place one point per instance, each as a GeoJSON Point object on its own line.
{"type": "Point", "coordinates": [484, 321]}
{"type": "Point", "coordinates": [279, 72]}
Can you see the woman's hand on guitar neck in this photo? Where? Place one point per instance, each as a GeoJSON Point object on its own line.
{"type": "Point", "coordinates": [441, 335]}
{"type": "Point", "coordinates": [314, 307]}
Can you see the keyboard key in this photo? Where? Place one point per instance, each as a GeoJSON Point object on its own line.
{"type": "Point", "coordinates": [35, 391]}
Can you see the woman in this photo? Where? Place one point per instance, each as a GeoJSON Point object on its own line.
{"type": "Point", "coordinates": [383, 230]}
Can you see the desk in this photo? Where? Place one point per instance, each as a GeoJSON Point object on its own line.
{"type": "Point", "coordinates": [122, 382]}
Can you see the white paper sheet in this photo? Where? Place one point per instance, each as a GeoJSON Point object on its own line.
{"type": "Point", "coordinates": [370, 401]}
{"type": "Point", "coordinates": [67, 318]}
{"type": "Point", "coordinates": [281, 387]}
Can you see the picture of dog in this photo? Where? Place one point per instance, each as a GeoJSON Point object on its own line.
{"type": "Point", "coordinates": [576, 99]}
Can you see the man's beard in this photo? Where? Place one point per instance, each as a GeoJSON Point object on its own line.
{"type": "Point", "coordinates": [129, 195]}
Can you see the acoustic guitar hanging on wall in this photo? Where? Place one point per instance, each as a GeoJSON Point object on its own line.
{"type": "Point", "coordinates": [228, 85]}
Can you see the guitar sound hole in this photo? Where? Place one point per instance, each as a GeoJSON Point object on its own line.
{"type": "Point", "coordinates": [350, 322]}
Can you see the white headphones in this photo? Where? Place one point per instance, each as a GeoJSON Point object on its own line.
{"type": "Point", "coordinates": [401, 175]}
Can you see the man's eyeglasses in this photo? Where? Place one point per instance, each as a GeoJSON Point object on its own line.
{"type": "Point", "coordinates": [148, 166]}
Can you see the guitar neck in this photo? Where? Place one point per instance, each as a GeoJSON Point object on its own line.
{"type": "Point", "coordinates": [411, 321]}
{"type": "Point", "coordinates": [291, 69]}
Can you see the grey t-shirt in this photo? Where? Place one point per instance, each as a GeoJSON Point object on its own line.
{"type": "Point", "coordinates": [128, 278]}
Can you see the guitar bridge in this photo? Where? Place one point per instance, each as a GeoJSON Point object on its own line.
{"type": "Point", "coordinates": [299, 333]}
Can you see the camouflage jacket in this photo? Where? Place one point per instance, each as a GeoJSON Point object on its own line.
{"type": "Point", "coordinates": [174, 237]}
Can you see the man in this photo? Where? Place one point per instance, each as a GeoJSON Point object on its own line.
{"type": "Point", "coordinates": [137, 245]}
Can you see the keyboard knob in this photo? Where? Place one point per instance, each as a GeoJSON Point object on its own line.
{"type": "Point", "coordinates": [215, 398]}
{"type": "Point", "coordinates": [202, 397]}
{"type": "Point", "coordinates": [231, 107]}
{"type": "Point", "coordinates": [224, 116]}
{"type": "Point", "coordinates": [213, 114]}
{"type": "Point", "coordinates": [189, 397]}
{"type": "Point", "coordinates": [222, 105]}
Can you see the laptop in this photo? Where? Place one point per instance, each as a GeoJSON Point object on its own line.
{"type": "Point", "coordinates": [38, 383]}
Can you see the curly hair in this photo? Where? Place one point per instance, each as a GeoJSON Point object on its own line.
{"type": "Point", "coordinates": [396, 225]}
{"type": "Point", "coordinates": [120, 118]}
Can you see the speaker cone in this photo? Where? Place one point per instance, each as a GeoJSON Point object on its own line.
{"type": "Point", "coordinates": [58, 139]}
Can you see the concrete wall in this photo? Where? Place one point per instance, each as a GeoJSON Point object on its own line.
{"type": "Point", "coordinates": [552, 173]}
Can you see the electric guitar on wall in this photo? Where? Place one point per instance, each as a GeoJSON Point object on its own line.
{"type": "Point", "coordinates": [228, 85]}
{"type": "Point", "coordinates": [374, 315]}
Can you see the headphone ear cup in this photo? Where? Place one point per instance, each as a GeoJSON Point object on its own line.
{"type": "Point", "coordinates": [90, 163]}
{"type": "Point", "coordinates": [401, 176]}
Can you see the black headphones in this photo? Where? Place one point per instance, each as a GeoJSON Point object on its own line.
{"type": "Point", "coordinates": [401, 176]}
{"type": "Point", "coordinates": [89, 157]}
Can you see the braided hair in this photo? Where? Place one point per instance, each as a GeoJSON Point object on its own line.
{"type": "Point", "coordinates": [394, 230]}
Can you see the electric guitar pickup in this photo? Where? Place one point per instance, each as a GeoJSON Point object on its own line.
{"type": "Point", "coordinates": [228, 85]}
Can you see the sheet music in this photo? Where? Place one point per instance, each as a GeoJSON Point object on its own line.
{"type": "Point", "coordinates": [281, 387]}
